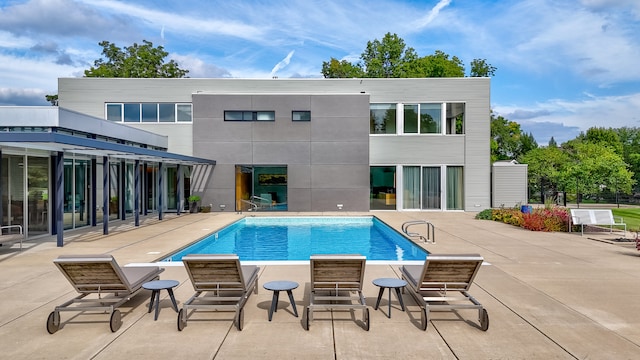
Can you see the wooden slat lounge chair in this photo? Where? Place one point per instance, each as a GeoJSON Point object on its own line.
{"type": "Point", "coordinates": [443, 282]}
{"type": "Point", "coordinates": [102, 276]}
{"type": "Point", "coordinates": [336, 284]}
{"type": "Point", "coordinates": [224, 284]}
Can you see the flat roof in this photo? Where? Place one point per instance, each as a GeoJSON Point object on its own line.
{"type": "Point", "coordinates": [53, 128]}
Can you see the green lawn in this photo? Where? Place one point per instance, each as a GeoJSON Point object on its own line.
{"type": "Point", "coordinates": [630, 216]}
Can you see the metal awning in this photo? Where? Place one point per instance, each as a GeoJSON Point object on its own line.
{"type": "Point", "coordinates": [52, 141]}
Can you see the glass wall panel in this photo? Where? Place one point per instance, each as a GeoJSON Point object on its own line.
{"type": "Point", "coordinates": [114, 112]}
{"type": "Point", "coordinates": [82, 188]}
{"type": "Point", "coordinates": [411, 186]}
{"type": "Point", "coordinates": [152, 187]}
{"type": "Point", "coordinates": [184, 112]}
{"type": "Point", "coordinates": [13, 190]}
{"type": "Point", "coordinates": [129, 186]}
{"type": "Point", "coordinates": [431, 188]}
{"type": "Point", "coordinates": [114, 185]}
{"type": "Point", "coordinates": [68, 201]}
{"type": "Point", "coordinates": [382, 181]}
{"type": "Point", "coordinates": [430, 118]}
{"type": "Point", "coordinates": [132, 112]}
{"type": "Point", "coordinates": [270, 187]}
{"type": "Point", "coordinates": [455, 198]}
{"type": "Point", "coordinates": [411, 119]}
{"type": "Point", "coordinates": [76, 193]}
{"type": "Point", "coordinates": [149, 112]}
{"type": "Point", "coordinates": [382, 118]}
{"type": "Point", "coordinates": [455, 118]}
{"type": "Point", "coordinates": [166, 112]}
{"type": "Point", "coordinates": [172, 188]}
{"type": "Point", "coordinates": [99, 192]}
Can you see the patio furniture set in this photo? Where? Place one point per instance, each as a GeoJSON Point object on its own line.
{"type": "Point", "coordinates": [222, 283]}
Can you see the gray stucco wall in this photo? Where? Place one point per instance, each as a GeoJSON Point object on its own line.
{"type": "Point", "coordinates": [327, 158]}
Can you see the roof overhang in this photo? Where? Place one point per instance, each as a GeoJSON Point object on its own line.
{"type": "Point", "coordinates": [56, 142]}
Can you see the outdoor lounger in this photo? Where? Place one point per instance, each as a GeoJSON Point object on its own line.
{"type": "Point", "coordinates": [13, 234]}
{"type": "Point", "coordinates": [336, 284]}
{"type": "Point", "coordinates": [443, 282]}
{"type": "Point", "coordinates": [224, 284]}
{"type": "Point", "coordinates": [100, 275]}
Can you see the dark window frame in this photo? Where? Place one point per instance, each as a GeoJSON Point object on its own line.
{"type": "Point", "coordinates": [247, 115]}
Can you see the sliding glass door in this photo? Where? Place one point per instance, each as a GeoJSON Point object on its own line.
{"type": "Point", "coordinates": [261, 188]}
{"type": "Point", "coordinates": [422, 187]}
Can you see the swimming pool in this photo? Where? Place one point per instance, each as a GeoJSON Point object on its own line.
{"type": "Point", "coordinates": [297, 238]}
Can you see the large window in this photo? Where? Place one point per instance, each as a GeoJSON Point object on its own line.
{"type": "Point", "coordinates": [148, 112]}
{"type": "Point", "coordinates": [249, 115]}
{"type": "Point", "coordinates": [382, 118]}
{"type": "Point", "coordinates": [428, 121]}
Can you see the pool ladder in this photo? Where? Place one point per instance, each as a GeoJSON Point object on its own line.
{"type": "Point", "coordinates": [430, 233]}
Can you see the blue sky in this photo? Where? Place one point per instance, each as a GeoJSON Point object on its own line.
{"type": "Point", "coordinates": [562, 65]}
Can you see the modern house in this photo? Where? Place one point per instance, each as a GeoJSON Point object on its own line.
{"type": "Point", "coordinates": [272, 144]}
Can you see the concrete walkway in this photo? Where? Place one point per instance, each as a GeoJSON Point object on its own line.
{"type": "Point", "coordinates": [549, 296]}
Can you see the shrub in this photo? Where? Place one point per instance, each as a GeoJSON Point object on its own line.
{"type": "Point", "coordinates": [549, 218]}
{"type": "Point", "coordinates": [486, 214]}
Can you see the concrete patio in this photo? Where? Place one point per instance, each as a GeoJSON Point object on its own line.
{"type": "Point", "coordinates": [549, 296]}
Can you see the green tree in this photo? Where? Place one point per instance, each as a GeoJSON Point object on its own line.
{"type": "Point", "coordinates": [552, 142]}
{"type": "Point", "coordinates": [391, 58]}
{"type": "Point", "coordinates": [545, 166]}
{"type": "Point", "coordinates": [53, 99]}
{"type": "Point", "coordinates": [387, 58]}
{"type": "Point", "coordinates": [606, 137]}
{"type": "Point", "coordinates": [437, 65]}
{"type": "Point", "coordinates": [135, 61]}
{"type": "Point", "coordinates": [594, 168]}
{"type": "Point", "coordinates": [507, 140]}
{"type": "Point", "coordinates": [341, 69]}
{"type": "Point", "coordinates": [480, 68]}
{"type": "Point", "coordinates": [630, 139]}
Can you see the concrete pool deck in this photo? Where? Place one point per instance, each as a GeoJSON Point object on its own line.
{"type": "Point", "coordinates": [549, 295]}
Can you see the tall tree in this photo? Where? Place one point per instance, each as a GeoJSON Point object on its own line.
{"type": "Point", "coordinates": [595, 167]}
{"type": "Point", "coordinates": [387, 58]}
{"type": "Point", "coordinates": [606, 137]}
{"type": "Point", "coordinates": [507, 140]}
{"type": "Point", "coordinates": [553, 143]}
{"type": "Point", "coordinates": [341, 69]}
{"type": "Point", "coordinates": [480, 68]}
{"type": "Point", "coordinates": [545, 166]}
{"type": "Point", "coordinates": [437, 65]}
{"type": "Point", "coordinates": [135, 61]}
{"type": "Point", "coordinates": [391, 58]}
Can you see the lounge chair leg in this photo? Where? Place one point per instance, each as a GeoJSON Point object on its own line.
{"type": "Point", "coordinates": [53, 322]}
{"type": "Point", "coordinates": [116, 320]}
{"type": "Point", "coordinates": [424, 318]}
{"type": "Point", "coordinates": [182, 319]}
{"type": "Point", "coordinates": [484, 319]}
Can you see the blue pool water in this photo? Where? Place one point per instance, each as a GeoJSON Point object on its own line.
{"type": "Point", "coordinates": [297, 238]}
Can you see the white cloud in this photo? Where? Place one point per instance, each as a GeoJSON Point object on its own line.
{"type": "Point", "coordinates": [181, 23]}
{"type": "Point", "coordinates": [432, 14]}
{"type": "Point", "coordinates": [284, 62]}
{"type": "Point", "coordinates": [591, 111]}
{"type": "Point", "coordinates": [198, 68]}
